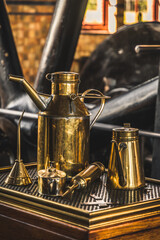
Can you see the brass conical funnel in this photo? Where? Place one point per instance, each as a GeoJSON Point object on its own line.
{"type": "Point", "coordinates": [18, 174]}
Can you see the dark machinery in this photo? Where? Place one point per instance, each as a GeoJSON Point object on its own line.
{"type": "Point", "coordinates": [115, 64]}
{"type": "Point", "coordinates": [9, 63]}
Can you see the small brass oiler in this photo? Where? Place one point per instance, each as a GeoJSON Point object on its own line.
{"type": "Point", "coordinates": [18, 174]}
{"type": "Point", "coordinates": [85, 178]}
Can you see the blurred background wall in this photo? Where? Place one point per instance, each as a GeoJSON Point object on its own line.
{"type": "Point", "coordinates": [30, 22]}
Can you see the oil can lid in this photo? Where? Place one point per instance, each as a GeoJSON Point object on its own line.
{"type": "Point", "coordinates": [63, 77]}
{"type": "Point", "coordinates": [125, 133]}
{"type": "Point", "coordinates": [51, 173]}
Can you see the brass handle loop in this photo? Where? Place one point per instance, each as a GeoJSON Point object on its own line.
{"type": "Point", "coordinates": [100, 96]}
{"type": "Point", "coordinates": [122, 180]}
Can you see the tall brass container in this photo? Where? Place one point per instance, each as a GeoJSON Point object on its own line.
{"type": "Point", "coordinates": [63, 130]}
{"type": "Point", "coordinates": [63, 123]}
{"type": "Point", "coordinates": [125, 169]}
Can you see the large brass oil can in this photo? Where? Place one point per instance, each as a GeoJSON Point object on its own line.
{"type": "Point", "coordinates": [63, 122]}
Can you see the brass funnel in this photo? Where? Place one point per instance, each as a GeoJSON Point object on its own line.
{"type": "Point", "coordinates": [18, 174]}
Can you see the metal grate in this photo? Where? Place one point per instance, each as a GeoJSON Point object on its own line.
{"type": "Point", "coordinates": [98, 191]}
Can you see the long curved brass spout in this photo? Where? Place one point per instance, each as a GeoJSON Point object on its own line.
{"type": "Point", "coordinates": [42, 104]}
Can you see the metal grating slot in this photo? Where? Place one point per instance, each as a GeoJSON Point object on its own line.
{"type": "Point", "coordinates": [97, 196]}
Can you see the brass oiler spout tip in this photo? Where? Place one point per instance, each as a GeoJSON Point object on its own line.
{"type": "Point", "coordinates": [16, 78]}
{"type": "Point", "coordinates": [69, 193]}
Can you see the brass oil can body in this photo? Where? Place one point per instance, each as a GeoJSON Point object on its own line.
{"type": "Point", "coordinates": [64, 138]}
{"type": "Point", "coordinates": [125, 170]}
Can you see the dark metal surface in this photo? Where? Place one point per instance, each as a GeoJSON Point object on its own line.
{"type": "Point", "coordinates": [156, 149]}
{"type": "Point", "coordinates": [14, 114]}
{"type": "Point", "coordinates": [61, 40]}
{"type": "Point", "coordinates": [147, 48]}
{"type": "Point", "coordinates": [114, 62]}
{"type": "Point", "coordinates": [9, 62]}
{"type": "Point", "coordinates": [143, 49]}
{"type": "Point", "coordinates": [109, 127]}
{"type": "Point", "coordinates": [137, 106]}
{"type": "Point", "coordinates": [97, 190]}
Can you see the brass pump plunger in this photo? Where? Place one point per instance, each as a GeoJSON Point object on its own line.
{"type": "Point", "coordinates": [18, 174]}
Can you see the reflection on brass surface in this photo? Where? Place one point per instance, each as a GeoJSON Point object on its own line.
{"type": "Point", "coordinates": [51, 181]}
{"type": "Point", "coordinates": [65, 142]}
{"type": "Point", "coordinates": [63, 122]}
{"type": "Point", "coordinates": [85, 177]}
{"type": "Point", "coordinates": [18, 174]}
{"type": "Point", "coordinates": [125, 170]}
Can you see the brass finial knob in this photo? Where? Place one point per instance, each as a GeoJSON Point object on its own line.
{"type": "Point", "coordinates": [126, 125]}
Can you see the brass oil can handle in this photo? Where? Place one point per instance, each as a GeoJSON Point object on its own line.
{"type": "Point", "coordinates": [122, 180]}
{"type": "Point", "coordinates": [101, 96]}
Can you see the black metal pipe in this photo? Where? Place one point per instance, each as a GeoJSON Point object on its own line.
{"type": "Point", "coordinates": [61, 41]}
{"type": "Point", "coordinates": [98, 126]}
{"type": "Point", "coordinates": [109, 127]}
{"type": "Point", "coordinates": [154, 49]}
{"type": "Point", "coordinates": [9, 61]}
{"type": "Point", "coordinates": [135, 103]}
{"type": "Point", "coordinates": [147, 48]}
{"type": "Point", "coordinates": [16, 114]}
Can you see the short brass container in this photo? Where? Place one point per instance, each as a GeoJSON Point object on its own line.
{"type": "Point", "coordinates": [51, 182]}
{"type": "Point", "coordinates": [125, 169]}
